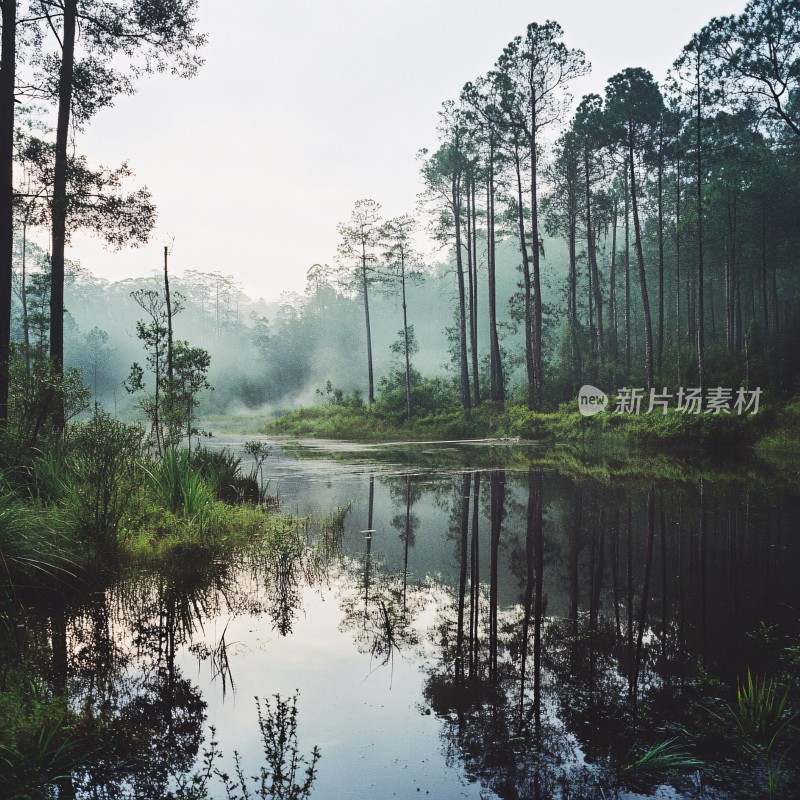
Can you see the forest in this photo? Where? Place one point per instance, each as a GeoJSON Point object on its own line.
{"type": "Point", "coordinates": [663, 216]}
{"type": "Point", "coordinates": [571, 605]}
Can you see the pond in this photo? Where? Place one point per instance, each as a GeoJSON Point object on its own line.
{"type": "Point", "coordinates": [480, 620]}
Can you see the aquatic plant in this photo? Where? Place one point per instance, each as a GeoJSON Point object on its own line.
{"type": "Point", "coordinates": [762, 718]}
{"type": "Point", "coordinates": [220, 468]}
{"type": "Point", "coordinates": [259, 451]}
{"type": "Point", "coordinates": [166, 476]}
{"type": "Point", "coordinates": [664, 757]}
{"type": "Point", "coordinates": [222, 471]}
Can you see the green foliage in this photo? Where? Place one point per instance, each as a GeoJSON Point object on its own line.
{"type": "Point", "coordinates": [50, 480]}
{"type": "Point", "coordinates": [35, 390]}
{"type": "Point", "coordinates": [190, 365]}
{"type": "Point", "coordinates": [763, 720]}
{"type": "Point", "coordinates": [39, 748]}
{"type": "Point", "coordinates": [761, 712]}
{"type": "Point", "coordinates": [440, 417]}
{"type": "Point", "coordinates": [178, 372]}
{"type": "Point", "coordinates": [180, 487]}
{"type": "Point", "coordinates": [103, 464]}
{"type": "Point", "coordinates": [332, 396]}
{"type": "Point", "coordinates": [259, 451]}
{"type": "Point", "coordinates": [221, 469]}
{"type": "Point", "coordinates": [664, 757]}
{"type": "Point", "coordinates": [34, 542]}
{"type": "Point", "coordinates": [428, 396]}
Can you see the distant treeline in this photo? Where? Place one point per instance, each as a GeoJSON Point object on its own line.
{"type": "Point", "coordinates": [646, 237]}
{"type": "Point", "coordinates": [655, 227]}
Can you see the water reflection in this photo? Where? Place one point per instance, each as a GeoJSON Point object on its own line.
{"type": "Point", "coordinates": [560, 629]}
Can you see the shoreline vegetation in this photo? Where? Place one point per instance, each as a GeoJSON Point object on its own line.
{"type": "Point", "coordinates": [81, 509]}
{"type": "Point", "coordinates": [775, 429]}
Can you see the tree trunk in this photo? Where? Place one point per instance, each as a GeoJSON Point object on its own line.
{"type": "Point", "coordinates": [168, 298]}
{"type": "Point", "coordinates": [526, 277]}
{"type": "Point", "coordinates": [497, 387]}
{"type": "Point", "coordinates": [472, 291]}
{"type": "Point", "coordinates": [462, 309]}
{"type": "Point", "coordinates": [660, 338]}
{"type": "Point", "coordinates": [60, 200]}
{"type": "Point", "coordinates": [637, 233]}
{"type": "Point", "coordinates": [700, 277]}
{"type": "Point", "coordinates": [763, 276]}
{"type": "Point", "coordinates": [627, 278]}
{"type": "Point", "coordinates": [678, 341]}
{"type": "Point", "coordinates": [365, 291]}
{"type": "Point", "coordinates": [7, 78]}
{"type": "Point", "coordinates": [612, 284]}
{"type": "Point", "coordinates": [576, 357]}
{"type": "Point", "coordinates": [537, 283]}
{"type": "Point", "coordinates": [594, 275]}
{"type": "Point", "coordinates": [405, 334]}
{"type": "Point", "coordinates": [476, 378]}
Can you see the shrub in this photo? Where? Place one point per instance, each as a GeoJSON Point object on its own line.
{"type": "Point", "coordinates": [102, 471]}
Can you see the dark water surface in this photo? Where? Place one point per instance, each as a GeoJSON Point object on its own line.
{"type": "Point", "coordinates": [514, 626]}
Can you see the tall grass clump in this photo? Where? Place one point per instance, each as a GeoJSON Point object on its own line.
{"type": "Point", "coordinates": [221, 470]}
{"type": "Point", "coordinates": [167, 477]}
{"type": "Point", "coordinates": [764, 721]}
{"type": "Point", "coordinates": [34, 543]}
{"type": "Point", "coordinates": [180, 488]}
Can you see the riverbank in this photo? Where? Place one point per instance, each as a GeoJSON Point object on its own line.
{"type": "Point", "coordinates": [772, 429]}
{"type": "Point", "coordinates": [84, 509]}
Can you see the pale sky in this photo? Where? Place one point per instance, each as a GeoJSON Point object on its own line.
{"type": "Point", "coordinates": [304, 106]}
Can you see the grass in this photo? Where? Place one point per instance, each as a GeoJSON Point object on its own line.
{"type": "Point", "coordinates": [35, 542]}
{"type": "Point", "coordinates": [674, 430]}
{"type": "Point", "coordinates": [39, 745]}
{"type": "Point", "coordinates": [784, 434]}
{"type": "Point", "coordinates": [763, 719]}
{"type": "Point", "coordinates": [152, 533]}
{"type": "Point", "coordinates": [664, 757]}
{"type": "Point", "coordinates": [761, 712]}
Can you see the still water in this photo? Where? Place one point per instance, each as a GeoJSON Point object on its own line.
{"type": "Point", "coordinates": [485, 621]}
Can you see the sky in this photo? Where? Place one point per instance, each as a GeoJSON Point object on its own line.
{"type": "Point", "coordinates": [305, 106]}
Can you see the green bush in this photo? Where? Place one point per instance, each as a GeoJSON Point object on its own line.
{"type": "Point", "coordinates": [102, 470]}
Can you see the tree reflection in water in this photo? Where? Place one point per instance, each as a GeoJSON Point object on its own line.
{"type": "Point", "coordinates": [140, 723]}
{"type": "Point", "coordinates": [566, 628]}
{"type": "Point", "coordinates": [563, 703]}
{"type": "Point", "coordinates": [380, 612]}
